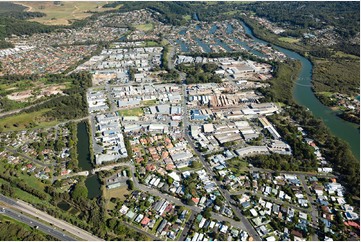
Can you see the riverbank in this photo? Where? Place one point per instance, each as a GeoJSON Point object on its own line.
{"type": "Point", "coordinates": [304, 96]}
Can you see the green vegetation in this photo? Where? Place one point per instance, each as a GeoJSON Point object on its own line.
{"type": "Point", "coordinates": [131, 112]}
{"type": "Point", "coordinates": [289, 39]}
{"type": "Point", "coordinates": [11, 230]}
{"type": "Point", "coordinates": [340, 75]}
{"type": "Point", "coordinates": [199, 73]}
{"type": "Point", "coordinates": [23, 121]}
{"type": "Point", "coordinates": [148, 103]}
{"type": "Point", "coordinates": [144, 27]}
{"type": "Point", "coordinates": [282, 83]}
{"type": "Point", "coordinates": [79, 191]}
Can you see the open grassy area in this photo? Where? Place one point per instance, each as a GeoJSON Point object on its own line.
{"type": "Point", "coordinates": [116, 192]}
{"type": "Point", "coordinates": [26, 120]}
{"type": "Point", "coordinates": [149, 102]}
{"type": "Point", "coordinates": [131, 112]}
{"type": "Point", "coordinates": [187, 17]}
{"type": "Point", "coordinates": [22, 195]}
{"type": "Point", "coordinates": [150, 43]}
{"type": "Point", "coordinates": [326, 94]}
{"type": "Point", "coordinates": [342, 54]}
{"type": "Point", "coordinates": [289, 39]}
{"type": "Point", "coordinates": [63, 13]}
{"type": "Point", "coordinates": [144, 27]}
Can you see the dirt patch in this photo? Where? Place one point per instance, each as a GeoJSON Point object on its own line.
{"type": "Point", "coordinates": [36, 93]}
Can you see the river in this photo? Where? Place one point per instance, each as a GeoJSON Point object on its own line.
{"type": "Point", "coordinates": [92, 182]}
{"type": "Point", "coordinates": [304, 96]}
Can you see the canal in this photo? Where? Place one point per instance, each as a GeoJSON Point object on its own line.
{"type": "Point", "coordinates": [92, 182]}
{"type": "Point", "coordinates": [304, 96]}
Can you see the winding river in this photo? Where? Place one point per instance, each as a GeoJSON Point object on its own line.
{"type": "Point", "coordinates": [304, 96]}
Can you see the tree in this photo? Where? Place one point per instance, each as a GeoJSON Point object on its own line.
{"type": "Point", "coordinates": [79, 191]}
{"type": "Point", "coordinates": [196, 164]}
{"type": "Point", "coordinates": [130, 184]}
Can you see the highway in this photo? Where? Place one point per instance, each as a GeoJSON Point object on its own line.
{"type": "Point", "coordinates": [56, 233]}
{"type": "Point", "coordinates": [26, 208]}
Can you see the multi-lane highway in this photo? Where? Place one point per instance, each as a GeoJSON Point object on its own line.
{"type": "Point", "coordinates": [27, 209]}
{"type": "Point", "coordinates": [56, 233]}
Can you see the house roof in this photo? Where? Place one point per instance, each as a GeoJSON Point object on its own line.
{"type": "Point", "coordinates": [145, 221]}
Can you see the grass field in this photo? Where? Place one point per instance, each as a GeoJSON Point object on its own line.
{"type": "Point", "coordinates": [144, 27]}
{"type": "Point", "coordinates": [61, 14]}
{"type": "Point", "coordinates": [342, 54]}
{"type": "Point", "coordinates": [116, 192]}
{"type": "Point", "coordinates": [26, 120]}
{"type": "Point", "coordinates": [149, 102]}
{"type": "Point", "coordinates": [288, 39]}
{"type": "Point", "coordinates": [131, 112]}
{"type": "Point", "coordinates": [326, 94]}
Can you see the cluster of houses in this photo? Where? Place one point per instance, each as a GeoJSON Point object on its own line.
{"type": "Point", "coordinates": [158, 216]}
{"type": "Point", "coordinates": [161, 152]}
{"type": "Point", "coordinates": [205, 228]}
{"type": "Point", "coordinates": [27, 142]}
{"type": "Point", "coordinates": [45, 59]}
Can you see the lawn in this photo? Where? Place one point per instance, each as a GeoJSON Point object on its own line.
{"type": "Point", "coordinates": [144, 27]}
{"type": "Point", "coordinates": [149, 102]}
{"type": "Point", "coordinates": [131, 112]}
{"type": "Point", "coordinates": [151, 43]}
{"type": "Point", "coordinates": [26, 120]}
{"type": "Point", "coordinates": [288, 39]}
{"type": "Point", "coordinates": [61, 14]}
{"type": "Point", "coordinates": [116, 192]}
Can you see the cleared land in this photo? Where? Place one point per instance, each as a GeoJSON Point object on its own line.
{"type": "Point", "coordinates": [131, 112]}
{"type": "Point", "coordinates": [117, 192]}
{"type": "Point", "coordinates": [288, 39]}
{"type": "Point", "coordinates": [144, 27]}
{"type": "Point", "coordinates": [63, 13]}
{"type": "Point", "coordinates": [26, 120]}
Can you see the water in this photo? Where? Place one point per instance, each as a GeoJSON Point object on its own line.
{"type": "Point", "coordinates": [94, 187]}
{"type": "Point", "coordinates": [204, 46]}
{"type": "Point", "coordinates": [92, 182]}
{"type": "Point", "coordinates": [304, 96]}
{"type": "Point", "coordinates": [63, 205]}
{"type": "Point", "coordinates": [182, 32]}
{"type": "Point", "coordinates": [184, 47]}
{"type": "Point", "coordinates": [229, 29]}
{"type": "Point", "coordinates": [83, 148]}
{"type": "Point", "coordinates": [213, 29]}
{"type": "Point", "coordinates": [224, 45]}
{"type": "Point", "coordinates": [245, 45]}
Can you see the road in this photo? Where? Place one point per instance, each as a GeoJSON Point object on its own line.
{"type": "Point", "coordinates": [155, 238]}
{"type": "Point", "coordinates": [244, 223]}
{"type": "Point", "coordinates": [82, 173]}
{"type": "Point", "coordinates": [30, 210]}
{"type": "Point", "coordinates": [314, 213]}
{"type": "Point", "coordinates": [33, 223]}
